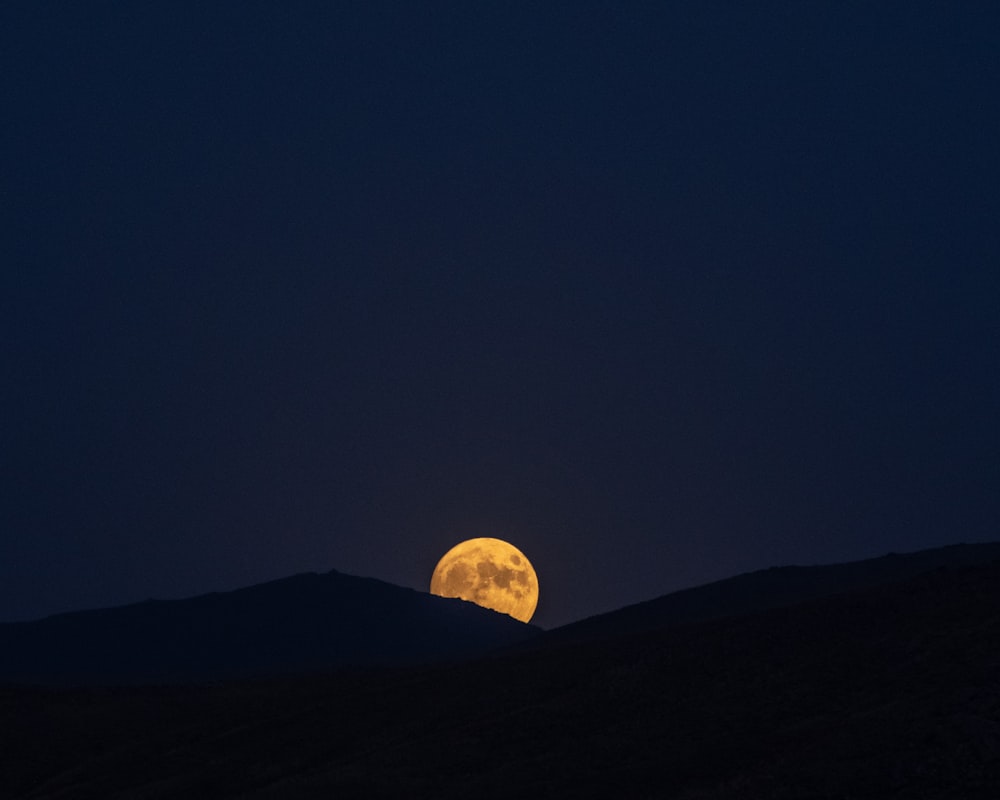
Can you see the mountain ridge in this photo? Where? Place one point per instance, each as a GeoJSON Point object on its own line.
{"type": "Point", "coordinates": [316, 622]}
{"type": "Point", "coordinates": [760, 590]}
{"type": "Point", "coordinates": [300, 623]}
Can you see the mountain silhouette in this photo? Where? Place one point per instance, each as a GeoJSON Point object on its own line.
{"type": "Point", "coordinates": [766, 589]}
{"type": "Point", "coordinates": [886, 691]}
{"type": "Point", "coordinates": [303, 623]}
{"type": "Point", "coordinates": [312, 622]}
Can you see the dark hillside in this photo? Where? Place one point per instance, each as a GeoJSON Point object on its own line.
{"type": "Point", "coordinates": [892, 692]}
{"type": "Point", "coordinates": [765, 589]}
{"type": "Point", "coordinates": [304, 623]}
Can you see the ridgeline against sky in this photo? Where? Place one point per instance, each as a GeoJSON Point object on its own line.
{"type": "Point", "coordinates": [661, 292]}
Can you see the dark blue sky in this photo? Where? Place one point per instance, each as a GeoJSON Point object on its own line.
{"type": "Point", "coordinates": [660, 292]}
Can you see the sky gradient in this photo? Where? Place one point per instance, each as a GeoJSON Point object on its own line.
{"type": "Point", "coordinates": [658, 292]}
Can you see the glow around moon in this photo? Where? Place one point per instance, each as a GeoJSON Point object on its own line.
{"type": "Point", "coordinates": [491, 573]}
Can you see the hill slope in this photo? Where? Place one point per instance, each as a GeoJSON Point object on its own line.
{"type": "Point", "coordinates": [887, 692]}
{"type": "Point", "coordinates": [765, 589]}
{"type": "Point", "coordinates": [304, 623]}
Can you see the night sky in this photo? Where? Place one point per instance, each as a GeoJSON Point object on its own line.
{"type": "Point", "coordinates": [659, 292]}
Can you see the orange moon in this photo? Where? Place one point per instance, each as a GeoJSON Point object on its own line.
{"type": "Point", "coordinates": [491, 573]}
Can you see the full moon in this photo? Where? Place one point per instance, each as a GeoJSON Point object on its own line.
{"type": "Point", "coordinates": [491, 573]}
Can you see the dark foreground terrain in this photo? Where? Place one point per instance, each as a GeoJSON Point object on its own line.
{"type": "Point", "coordinates": [891, 692]}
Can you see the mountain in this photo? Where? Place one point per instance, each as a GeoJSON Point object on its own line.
{"type": "Point", "coordinates": [766, 589]}
{"type": "Point", "coordinates": [315, 622]}
{"type": "Point", "coordinates": [891, 691]}
{"type": "Point", "coordinates": [303, 623]}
